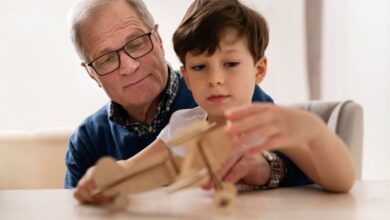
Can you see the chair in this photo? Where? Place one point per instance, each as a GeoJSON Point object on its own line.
{"type": "Point", "coordinates": [346, 120]}
{"type": "Point", "coordinates": [31, 160]}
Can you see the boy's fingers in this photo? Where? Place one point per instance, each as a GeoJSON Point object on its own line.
{"type": "Point", "coordinates": [242, 111]}
{"type": "Point", "coordinates": [249, 123]}
{"type": "Point", "coordinates": [259, 136]}
{"type": "Point", "coordinates": [273, 143]}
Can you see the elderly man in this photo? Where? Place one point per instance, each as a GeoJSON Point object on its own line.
{"type": "Point", "coordinates": [121, 50]}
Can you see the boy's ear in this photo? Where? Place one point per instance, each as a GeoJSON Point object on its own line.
{"type": "Point", "coordinates": [183, 70]}
{"type": "Point", "coordinates": [261, 69]}
{"type": "Point", "coordinates": [93, 76]}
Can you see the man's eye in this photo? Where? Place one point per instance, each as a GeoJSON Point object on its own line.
{"type": "Point", "coordinates": [135, 46]}
{"type": "Point", "coordinates": [231, 64]}
{"type": "Point", "coordinates": [109, 58]}
{"type": "Point", "coordinates": [198, 67]}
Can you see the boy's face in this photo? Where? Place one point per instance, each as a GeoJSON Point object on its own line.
{"type": "Point", "coordinates": [226, 78]}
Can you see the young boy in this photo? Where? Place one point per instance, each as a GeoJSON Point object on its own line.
{"type": "Point", "coordinates": [221, 45]}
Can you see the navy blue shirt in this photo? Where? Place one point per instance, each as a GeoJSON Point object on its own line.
{"type": "Point", "coordinates": [98, 136]}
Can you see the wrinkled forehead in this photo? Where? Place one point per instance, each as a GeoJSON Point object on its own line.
{"type": "Point", "coordinates": [109, 27]}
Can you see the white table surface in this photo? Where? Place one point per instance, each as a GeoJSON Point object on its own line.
{"type": "Point", "coordinates": [367, 200]}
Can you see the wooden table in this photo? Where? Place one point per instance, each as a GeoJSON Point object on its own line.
{"type": "Point", "coordinates": [367, 200]}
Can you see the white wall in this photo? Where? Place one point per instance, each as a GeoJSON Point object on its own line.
{"type": "Point", "coordinates": [42, 84]}
{"type": "Point", "coordinates": [357, 66]}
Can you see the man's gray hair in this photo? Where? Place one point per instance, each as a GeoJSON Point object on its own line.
{"type": "Point", "coordinates": [83, 11]}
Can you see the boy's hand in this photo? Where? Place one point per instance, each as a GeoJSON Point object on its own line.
{"type": "Point", "coordinates": [259, 127]}
{"type": "Point", "coordinates": [85, 187]}
{"type": "Point", "coordinates": [301, 136]}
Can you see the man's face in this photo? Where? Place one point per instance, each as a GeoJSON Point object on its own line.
{"type": "Point", "coordinates": [137, 82]}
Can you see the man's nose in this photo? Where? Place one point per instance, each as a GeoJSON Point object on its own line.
{"type": "Point", "coordinates": [216, 77]}
{"type": "Point", "coordinates": [128, 65]}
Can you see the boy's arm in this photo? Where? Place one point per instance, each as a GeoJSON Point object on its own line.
{"type": "Point", "coordinates": [299, 135]}
{"type": "Point", "coordinates": [326, 160]}
{"type": "Point", "coordinates": [157, 146]}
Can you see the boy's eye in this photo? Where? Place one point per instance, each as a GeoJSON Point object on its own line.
{"type": "Point", "coordinates": [231, 64]}
{"type": "Point", "coordinates": [198, 67]}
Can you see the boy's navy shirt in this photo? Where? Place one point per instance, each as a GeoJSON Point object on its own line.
{"type": "Point", "coordinates": [98, 136]}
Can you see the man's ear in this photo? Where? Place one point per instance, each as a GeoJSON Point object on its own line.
{"type": "Point", "coordinates": [93, 76]}
{"type": "Point", "coordinates": [159, 39]}
{"type": "Point", "coordinates": [261, 69]}
{"type": "Point", "coordinates": [183, 70]}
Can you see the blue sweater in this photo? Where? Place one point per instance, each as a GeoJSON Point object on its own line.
{"type": "Point", "coordinates": [97, 136]}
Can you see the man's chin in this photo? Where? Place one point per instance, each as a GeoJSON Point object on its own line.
{"type": "Point", "coordinates": [140, 100]}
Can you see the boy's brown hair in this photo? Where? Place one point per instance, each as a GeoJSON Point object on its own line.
{"type": "Point", "coordinates": [205, 20]}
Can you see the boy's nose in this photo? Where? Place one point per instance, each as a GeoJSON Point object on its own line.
{"type": "Point", "coordinates": [216, 78]}
{"type": "Point", "coordinates": [127, 64]}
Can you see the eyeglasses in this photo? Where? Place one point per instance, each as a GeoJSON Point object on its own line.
{"type": "Point", "coordinates": [135, 49]}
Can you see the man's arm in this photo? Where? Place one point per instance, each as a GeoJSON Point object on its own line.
{"type": "Point", "coordinates": [292, 175]}
{"type": "Point", "coordinates": [77, 158]}
{"type": "Point", "coordinates": [84, 189]}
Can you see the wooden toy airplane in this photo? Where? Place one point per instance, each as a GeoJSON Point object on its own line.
{"type": "Point", "coordinates": [191, 160]}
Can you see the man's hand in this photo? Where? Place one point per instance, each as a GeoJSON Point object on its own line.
{"type": "Point", "coordinates": [86, 186]}
{"type": "Point", "coordinates": [245, 168]}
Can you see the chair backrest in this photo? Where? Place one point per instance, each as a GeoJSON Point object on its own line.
{"type": "Point", "coordinates": [346, 120]}
{"type": "Point", "coordinates": [31, 160]}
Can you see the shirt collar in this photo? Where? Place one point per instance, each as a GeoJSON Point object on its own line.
{"type": "Point", "coordinates": [119, 115]}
